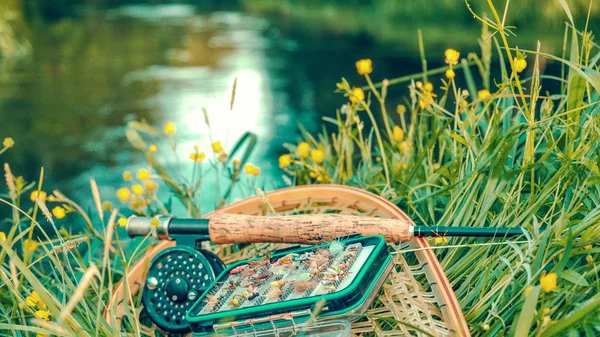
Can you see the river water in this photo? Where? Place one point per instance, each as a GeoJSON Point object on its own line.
{"type": "Point", "coordinates": [88, 75]}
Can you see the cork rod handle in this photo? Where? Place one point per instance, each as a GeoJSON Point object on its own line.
{"type": "Point", "coordinates": [305, 229]}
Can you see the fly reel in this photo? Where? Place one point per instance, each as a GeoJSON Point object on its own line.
{"type": "Point", "coordinates": [177, 277]}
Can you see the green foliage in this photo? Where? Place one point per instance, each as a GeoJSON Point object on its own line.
{"type": "Point", "coordinates": [504, 153]}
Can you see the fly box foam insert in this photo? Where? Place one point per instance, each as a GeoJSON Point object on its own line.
{"type": "Point", "coordinates": [338, 278]}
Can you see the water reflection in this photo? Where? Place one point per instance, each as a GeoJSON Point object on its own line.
{"type": "Point", "coordinates": [89, 76]}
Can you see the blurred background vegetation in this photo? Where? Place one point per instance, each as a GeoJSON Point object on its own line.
{"type": "Point", "coordinates": [74, 72]}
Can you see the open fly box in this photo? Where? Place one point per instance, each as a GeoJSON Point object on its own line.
{"type": "Point", "coordinates": [294, 286]}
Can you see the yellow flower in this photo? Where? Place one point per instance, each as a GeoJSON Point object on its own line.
{"type": "Point", "coordinates": [427, 97]}
{"type": "Point", "coordinates": [400, 109]}
{"type": "Point", "coordinates": [589, 259]}
{"type": "Point", "coordinates": [41, 334]}
{"type": "Point", "coordinates": [587, 247]}
{"type": "Point", "coordinates": [440, 239]}
{"type": "Point", "coordinates": [357, 95]}
{"type": "Point", "coordinates": [43, 314]}
{"type": "Point", "coordinates": [428, 87]}
{"type": "Point", "coordinates": [251, 170]}
{"type": "Point", "coordinates": [222, 157]}
{"type": "Point", "coordinates": [197, 157]}
{"type": "Point", "coordinates": [398, 134]}
{"type": "Point", "coordinates": [153, 148]}
{"type": "Point", "coordinates": [39, 195]}
{"type": "Point", "coordinates": [127, 176]}
{"type": "Point", "coordinates": [217, 147]}
{"type": "Point", "coordinates": [122, 222]}
{"type": "Point", "coordinates": [142, 174]}
{"type": "Point", "coordinates": [527, 290]}
{"type": "Point", "coordinates": [463, 104]}
{"type": "Point", "coordinates": [452, 56]}
{"type": "Point", "coordinates": [548, 282]}
{"type": "Point", "coordinates": [364, 66]}
{"type": "Point", "coordinates": [450, 74]}
{"type": "Point", "coordinates": [150, 185]}
{"type": "Point", "coordinates": [404, 147]}
{"type": "Point", "coordinates": [520, 64]}
{"type": "Point", "coordinates": [303, 150]}
{"type": "Point", "coordinates": [285, 160]}
{"type": "Point", "coordinates": [123, 194]}
{"type": "Point", "coordinates": [170, 128]}
{"type": "Point", "coordinates": [8, 142]}
{"type": "Point", "coordinates": [482, 94]}
{"type": "Point", "coordinates": [35, 299]}
{"type": "Point", "coordinates": [317, 156]}
{"type": "Point", "coordinates": [137, 189]}
{"type": "Point", "coordinates": [2, 236]}
{"type": "Point", "coordinates": [236, 162]}
{"type": "Point", "coordinates": [30, 245]}
{"type": "Point", "coordinates": [107, 206]}
{"type": "Point", "coordinates": [59, 212]}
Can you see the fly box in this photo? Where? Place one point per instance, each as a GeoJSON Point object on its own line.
{"type": "Point", "coordinates": [293, 287]}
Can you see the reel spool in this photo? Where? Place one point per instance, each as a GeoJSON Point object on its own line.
{"type": "Point", "coordinates": [177, 277]}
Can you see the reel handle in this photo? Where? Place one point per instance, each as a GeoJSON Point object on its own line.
{"type": "Point", "coordinates": [303, 229]}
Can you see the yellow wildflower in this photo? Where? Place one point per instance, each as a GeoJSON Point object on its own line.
{"type": "Point", "coordinates": [452, 56]}
{"type": "Point", "coordinates": [482, 94]}
{"type": "Point", "coordinates": [30, 245]}
{"type": "Point", "coordinates": [548, 282]}
{"type": "Point", "coordinates": [527, 290]}
{"type": "Point", "coordinates": [303, 150]}
{"type": "Point", "coordinates": [59, 212]}
{"type": "Point", "coordinates": [43, 314]}
{"type": "Point", "coordinates": [122, 222]}
{"type": "Point", "coordinates": [150, 185]}
{"type": "Point", "coordinates": [39, 195]}
{"type": "Point", "coordinates": [404, 147]}
{"type": "Point", "coordinates": [143, 174]}
{"type": "Point", "coordinates": [137, 189]}
{"type": "Point", "coordinates": [285, 160]}
{"type": "Point", "coordinates": [236, 162]}
{"type": "Point", "coordinates": [35, 299]}
{"type": "Point", "coordinates": [357, 95]}
{"type": "Point", "coordinates": [197, 157]}
{"type": "Point", "coordinates": [107, 206]}
{"type": "Point", "coordinates": [400, 109]}
{"type": "Point", "coordinates": [426, 98]}
{"type": "Point", "coordinates": [8, 142]}
{"type": "Point", "coordinates": [587, 247]}
{"type": "Point", "coordinates": [154, 222]}
{"type": "Point", "coordinates": [153, 148]}
{"type": "Point", "coordinates": [398, 134]}
{"type": "Point", "coordinates": [251, 170]}
{"type": "Point", "coordinates": [223, 156]}
{"type": "Point", "coordinates": [170, 128]}
{"type": "Point", "coordinates": [217, 147]}
{"type": "Point", "coordinates": [463, 104]}
{"type": "Point", "coordinates": [428, 87]}
{"type": "Point", "coordinates": [589, 259]}
{"type": "Point", "coordinates": [520, 64]}
{"type": "Point", "coordinates": [317, 156]}
{"type": "Point", "coordinates": [405, 166]}
{"type": "Point", "coordinates": [450, 74]}
{"type": "Point", "coordinates": [364, 66]}
{"type": "Point", "coordinates": [440, 239]}
{"type": "Point", "coordinates": [2, 236]}
{"type": "Point", "coordinates": [123, 194]}
{"type": "Point", "coordinates": [127, 176]}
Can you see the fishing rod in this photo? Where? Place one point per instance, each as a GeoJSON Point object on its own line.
{"type": "Point", "coordinates": [301, 229]}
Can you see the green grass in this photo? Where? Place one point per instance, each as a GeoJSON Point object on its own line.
{"type": "Point", "coordinates": [519, 156]}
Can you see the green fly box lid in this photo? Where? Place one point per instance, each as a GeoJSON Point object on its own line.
{"type": "Point", "coordinates": [292, 285]}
